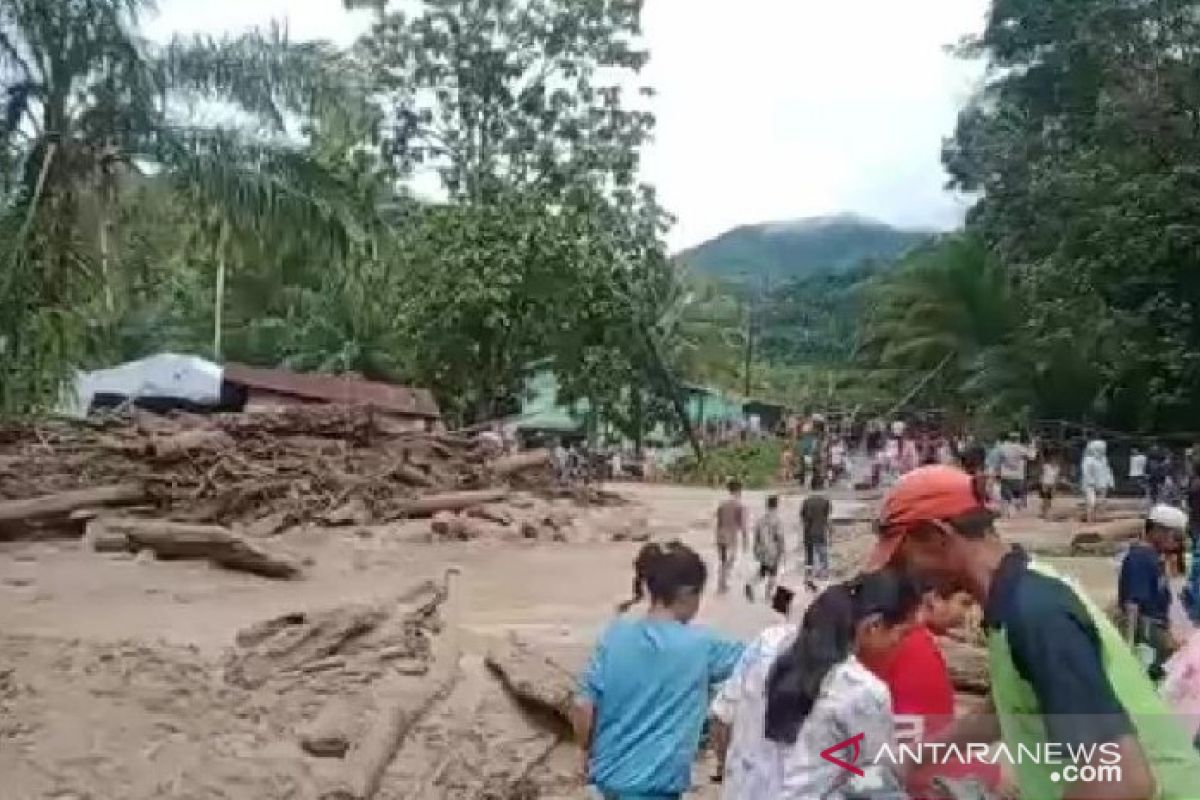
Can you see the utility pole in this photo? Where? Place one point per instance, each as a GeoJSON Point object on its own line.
{"type": "Point", "coordinates": [757, 295]}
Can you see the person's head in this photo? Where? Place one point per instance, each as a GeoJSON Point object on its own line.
{"type": "Point", "coordinates": [974, 458]}
{"type": "Point", "coordinates": [1164, 524]}
{"type": "Point", "coordinates": [866, 616]}
{"type": "Point", "coordinates": [773, 503]}
{"type": "Point", "coordinates": [943, 609]}
{"type": "Point", "coordinates": [675, 578]}
{"type": "Point", "coordinates": [935, 523]}
{"type": "Point", "coordinates": [734, 486]}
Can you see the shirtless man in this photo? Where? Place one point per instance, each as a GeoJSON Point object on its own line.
{"type": "Point", "coordinates": [732, 528]}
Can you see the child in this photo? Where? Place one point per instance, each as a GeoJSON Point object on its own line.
{"type": "Point", "coordinates": [731, 527]}
{"type": "Point", "coordinates": [799, 692]}
{"type": "Point", "coordinates": [922, 693]}
{"type": "Point", "coordinates": [643, 697]}
{"type": "Point", "coordinates": [768, 549]}
{"type": "Point", "coordinates": [641, 569]}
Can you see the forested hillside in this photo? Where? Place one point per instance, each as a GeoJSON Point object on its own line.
{"type": "Point", "coordinates": [781, 251]}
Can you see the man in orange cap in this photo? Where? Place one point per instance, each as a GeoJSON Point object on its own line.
{"type": "Point", "coordinates": [1061, 673]}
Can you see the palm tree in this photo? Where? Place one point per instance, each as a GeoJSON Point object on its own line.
{"type": "Point", "coordinates": [90, 111]}
{"type": "Point", "coordinates": [946, 314]}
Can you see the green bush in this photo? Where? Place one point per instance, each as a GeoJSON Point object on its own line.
{"type": "Point", "coordinates": [755, 464]}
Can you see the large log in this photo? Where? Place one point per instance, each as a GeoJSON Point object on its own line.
{"type": "Point", "coordinates": [532, 676]}
{"type": "Point", "coordinates": [221, 546]}
{"type": "Point", "coordinates": [61, 504]}
{"type": "Point", "coordinates": [1107, 538]}
{"type": "Point", "coordinates": [431, 504]}
{"type": "Point", "coordinates": [179, 445]}
{"type": "Point", "coordinates": [510, 465]}
{"type": "Point", "coordinates": [403, 705]}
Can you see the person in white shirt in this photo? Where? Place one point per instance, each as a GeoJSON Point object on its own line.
{"type": "Point", "coordinates": [1097, 477]}
{"type": "Point", "coordinates": [1137, 470]}
{"type": "Point", "coordinates": [1012, 462]}
{"type": "Point", "coordinates": [796, 693]}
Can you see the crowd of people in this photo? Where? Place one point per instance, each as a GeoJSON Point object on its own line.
{"type": "Point", "coordinates": [818, 705]}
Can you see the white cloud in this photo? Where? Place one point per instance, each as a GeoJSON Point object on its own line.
{"type": "Point", "coordinates": [767, 109]}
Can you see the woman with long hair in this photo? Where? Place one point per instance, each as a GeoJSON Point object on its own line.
{"type": "Point", "coordinates": [794, 696]}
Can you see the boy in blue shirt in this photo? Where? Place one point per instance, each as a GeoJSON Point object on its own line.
{"type": "Point", "coordinates": [645, 694]}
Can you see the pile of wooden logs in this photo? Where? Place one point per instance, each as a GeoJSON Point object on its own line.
{"type": "Point", "coordinates": [261, 472]}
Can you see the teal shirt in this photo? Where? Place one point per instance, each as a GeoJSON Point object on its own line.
{"type": "Point", "coordinates": [649, 682]}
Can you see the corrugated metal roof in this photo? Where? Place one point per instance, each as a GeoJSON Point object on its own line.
{"type": "Point", "coordinates": [336, 389]}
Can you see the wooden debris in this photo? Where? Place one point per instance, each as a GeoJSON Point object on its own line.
{"type": "Point", "coordinates": [61, 504]}
{"type": "Point", "coordinates": [179, 445]}
{"type": "Point", "coordinates": [532, 676]}
{"type": "Point", "coordinates": [510, 465]}
{"type": "Point", "coordinates": [491, 513]}
{"type": "Point", "coordinates": [99, 538]}
{"type": "Point", "coordinates": [968, 665]}
{"type": "Point", "coordinates": [329, 735]}
{"type": "Point", "coordinates": [1113, 534]}
{"type": "Point", "coordinates": [429, 505]}
{"type": "Point", "coordinates": [176, 540]}
{"type": "Point", "coordinates": [404, 702]}
{"type": "Point", "coordinates": [309, 642]}
{"type": "Point", "coordinates": [256, 471]}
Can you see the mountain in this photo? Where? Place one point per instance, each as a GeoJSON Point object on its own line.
{"type": "Point", "coordinates": [779, 251]}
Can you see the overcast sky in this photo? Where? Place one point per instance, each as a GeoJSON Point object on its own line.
{"type": "Point", "coordinates": [767, 109]}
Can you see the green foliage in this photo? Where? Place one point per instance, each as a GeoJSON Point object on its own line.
{"type": "Point", "coordinates": [1082, 143]}
{"type": "Point", "coordinates": [510, 92]}
{"type": "Point", "coordinates": [88, 114]}
{"type": "Point", "coordinates": [755, 464]}
{"type": "Point", "coordinates": [783, 251]}
{"type": "Point", "coordinates": [128, 229]}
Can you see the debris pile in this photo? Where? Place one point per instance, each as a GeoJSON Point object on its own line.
{"type": "Point", "coordinates": [259, 472]}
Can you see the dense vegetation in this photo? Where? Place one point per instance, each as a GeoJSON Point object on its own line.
{"type": "Point", "coordinates": [248, 198]}
{"type": "Point", "coordinates": [285, 233]}
{"type": "Point", "coordinates": [777, 252]}
{"type": "Point", "coordinates": [1076, 293]}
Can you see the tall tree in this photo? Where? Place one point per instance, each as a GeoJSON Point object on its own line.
{"type": "Point", "coordinates": [524, 92]}
{"type": "Point", "coordinates": [89, 116]}
{"type": "Point", "coordinates": [1082, 144]}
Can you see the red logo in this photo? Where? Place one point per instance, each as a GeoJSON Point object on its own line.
{"type": "Point", "coordinates": [854, 744]}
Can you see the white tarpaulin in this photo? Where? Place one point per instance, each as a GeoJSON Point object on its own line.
{"type": "Point", "coordinates": [165, 375]}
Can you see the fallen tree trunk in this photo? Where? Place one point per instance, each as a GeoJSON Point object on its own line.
{"type": "Point", "coordinates": [532, 677]}
{"type": "Point", "coordinates": [1107, 538]}
{"type": "Point", "coordinates": [409, 474]}
{"type": "Point", "coordinates": [177, 540]}
{"type": "Point", "coordinates": [63, 503]}
{"type": "Point", "coordinates": [404, 703]}
{"type": "Point", "coordinates": [510, 465]}
{"type": "Point", "coordinates": [431, 504]}
{"type": "Point", "coordinates": [968, 665]}
{"type": "Point", "coordinates": [330, 734]}
{"type": "Point", "coordinates": [99, 539]}
{"type": "Point", "coordinates": [178, 445]}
